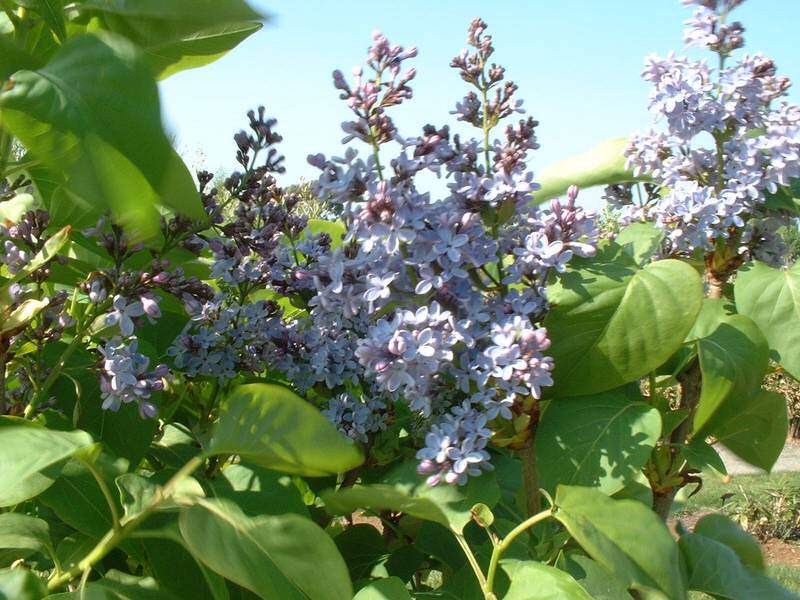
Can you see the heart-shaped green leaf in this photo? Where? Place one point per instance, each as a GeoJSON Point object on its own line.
{"type": "Point", "coordinates": [391, 588]}
{"type": "Point", "coordinates": [722, 529]}
{"type": "Point", "coordinates": [640, 240]}
{"type": "Point", "coordinates": [536, 581]}
{"type": "Point", "coordinates": [197, 49]}
{"type": "Point", "coordinates": [612, 323]}
{"type": "Point", "coordinates": [93, 110]}
{"type": "Point", "coordinates": [771, 297]}
{"type": "Point", "coordinates": [23, 532]}
{"type": "Point", "coordinates": [733, 360]}
{"type": "Point", "coordinates": [716, 569]}
{"type": "Point", "coordinates": [757, 434]}
{"type": "Point", "coordinates": [21, 584]}
{"type": "Point", "coordinates": [404, 490]}
{"type": "Point", "coordinates": [599, 441]}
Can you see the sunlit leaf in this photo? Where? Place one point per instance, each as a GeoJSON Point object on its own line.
{"type": "Point", "coordinates": [602, 165]}
{"type": "Point", "coordinates": [613, 533]}
{"type": "Point", "coordinates": [612, 323]}
{"type": "Point", "coordinates": [771, 297]}
{"type": "Point", "coordinates": [271, 426]}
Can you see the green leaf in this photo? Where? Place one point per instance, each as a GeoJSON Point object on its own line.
{"type": "Point", "coordinates": [403, 490]}
{"type": "Point", "coordinates": [125, 432]}
{"type": "Point", "coordinates": [335, 229]}
{"type": "Point", "coordinates": [118, 586]}
{"type": "Point", "coordinates": [14, 57]}
{"type": "Point", "coordinates": [637, 489]}
{"type": "Point", "coordinates": [78, 500]}
{"type": "Point", "coordinates": [771, 297]}
{"type": "Point", "coordinates": [390, 588]}
{"type": "Point", "coordinates": [271, 426]}
{"type": "Point", "coordinates": [173, 565]}
{"type": "Point", "coordinates": [23, 314]}
{"type": "Point", "coordinates": [71, 549]}
{"type": "Point", "coordinates": [26, 450]}
{"type": "Point", "coordinates": [175, 446]}
{"type": "Point", "coordinates": [361, 547]}
{"type": "Point", "coordinates": [95, 106]}
{"type": "Point", "coordinates": [784, 199]}
{"type": "Point", "coordinates": [379, 497]}
{"type": "Point", "coordinates": [757, 434]}
{"type": "Point", "coordinates": [725, 531]}
{"type": "Point", "coordinates": [273, 556]}
{"type": "Point", "coordinates": [148, 22]}
{"type": "Point", "coordinates": [733, 360]}
{"type": "Point", "coordinates": [641, 241]}
{"type": "Point", "coordinates": [715, 569]}
{"type": "Point", "coordinates": [197, 49]}
{"type": "Point", "coordinates": [612, 323]}
{"type": "Point", "coordinates": [612, 533]}
{"type": "Point", "coordinates": [599, 441]}
{"type": "Point", "coordinates": [137, 492]}
{"type": "Point", "coordinates": [536, 581]}
{"type": "Point", "coordinates": [101, 171]}
{"type": "Point", "coordinates": [701, 455]}
{"type": "Point", "coordinates": [258, 491]}
{"type": "Point", "coordinates": [23, 532]}
{"type": "Point", "coordinates": [404, 561]}
{"type": "Point", "coordinates": [20, 584]}
{"type": "Point", "coordinates": [52, 11]}
{"type": "Point", "coordinates": [602, 165]}
{"type": "Point", "coordinates": [713, 312]}
{"type": "Point", "coordinates": [596, 580]}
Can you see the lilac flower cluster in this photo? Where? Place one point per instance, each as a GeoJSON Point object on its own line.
{"type": "Point", "coordinates": [263, 252]}
{"type": "Point", "coordinates": [357, 418]}
{"type": "Point", "coordinates": [21, 241]}
{"type": "Point", "coordinates": [442, 296]}
{"type": "Point", "coordinates": [124, 377]}
{"type": "Point", "coordinates": [123, 300]}
{"type": "Point", "coordinates": [729, 143]}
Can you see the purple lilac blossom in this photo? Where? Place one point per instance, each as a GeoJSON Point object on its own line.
{"type": "Point", "coordinates": [444, 297]}
{"type": "Point", "coordinates": [729, 140]}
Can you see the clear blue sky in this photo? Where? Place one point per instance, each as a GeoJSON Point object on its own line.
{"type": "Point", "coordinates": [577, 64]}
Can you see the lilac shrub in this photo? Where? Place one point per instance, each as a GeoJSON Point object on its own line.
{"type": "Point", "coordinates": [729, 140]}
{"type": "Point", "coordinates": [443, 294]}
{"type": "Point", "coordinates": [430, 306]}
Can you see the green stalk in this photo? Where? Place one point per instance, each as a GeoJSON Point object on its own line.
{"type": "Point", "coordinates": [101, 483]}
{"type": "Point", "coordinates": [530, 476]}
{"type": "Point", "coordinates": [471, 559]}
{"type": "Point", "coordinates": [115, 536]}
{"type": "Point", "coordinates": [503, 545]}
{"type": "Point", "coordinates": [55, 373]}
{"type": "Point", "coordinates": [486, 132]}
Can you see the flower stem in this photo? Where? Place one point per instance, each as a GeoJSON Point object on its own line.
{"type": "Point", "coordinates": [101, 483]}
{"type": "Point", "coordinates": [530, 476]}
{"type": "Point", "coordinates": [115, 536]}
{"type": "Point", "coordinates": [471, 558]}
{"type": "Point", "coordinates": [691, 385]}
{"type": "Point", "coordinates": [501, 547]}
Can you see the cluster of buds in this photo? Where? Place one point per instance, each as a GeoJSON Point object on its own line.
{"type": "Point", "coordinates": [369, 98]}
